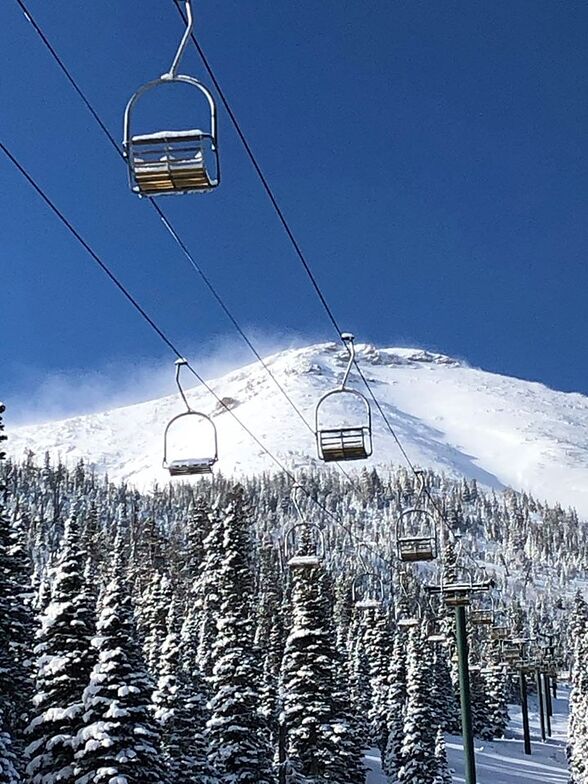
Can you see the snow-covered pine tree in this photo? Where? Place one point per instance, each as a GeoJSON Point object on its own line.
{"type": "Point", "coordinates": [207, 593]}
{"type": "Point", "coordinates": [16, 624]}
{"type": "Point", "coordinates": [396, 705]}
{"type": "Point", "coordinates": [442, 772]}
{"type": "Point", "coordinates": [238, 735]}
{"type": "Point", "coordinates": [64, 659]}
{"type": "Point", "coordinates": [444, 702]}
{"type": "Point", "coordinates": [201, 769]}
{"type": "Point", "coordinates": [481, 723]}
{"type": "Point", "coordinates": [359, 674]}
{"type": "Point", "coordinates": [577, 749]}
{"type": "Point", "coordinates": [494, 680]}
{"type": "Point", "coordinates": [178, 710]}
{"type": "Point", "coordinates": [418, 747]}
{"type": "Point", "coordinates": [154, 610]}
{"type": "Point", "coordinates": [8, 762]}
{"type": "Point", "coordinates": [270, 636]}
{"type": "Point", "coordinates": [312, 718]}
{"type": "Point", "coordinates": [378, 641]}
{"type": "Point", "coordinates": [120, 739]}
{"type": "Point", "coordinates": [198, 525]}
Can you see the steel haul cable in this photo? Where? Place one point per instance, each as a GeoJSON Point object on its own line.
{"type": "Point", "coordinates": [168, 342]}
{"type": "Point", "coordinates": [173, 233]}
{"type": "Point", "coordinates": [295, 244]}
{"type": "Point", "coordinates": [168, 225]}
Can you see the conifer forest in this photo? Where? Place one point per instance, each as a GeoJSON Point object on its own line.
{"type": "Point", "coordinates": [208, 633]}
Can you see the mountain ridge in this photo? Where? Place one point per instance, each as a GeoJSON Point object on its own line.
{"type": "Point", "coordinates": [454, 418]}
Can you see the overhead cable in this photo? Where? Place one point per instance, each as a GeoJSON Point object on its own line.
{"type": "Point", "coordinates": [168, 342]}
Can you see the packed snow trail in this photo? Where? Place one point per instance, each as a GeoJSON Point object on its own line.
{"type": "Point", "coordinates": [504, 761]}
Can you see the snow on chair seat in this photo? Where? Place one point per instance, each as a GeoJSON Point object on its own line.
{"type": "Point", "coordinates": [304, 561]}
{"type": "Point", "coordinates": [482, 617]}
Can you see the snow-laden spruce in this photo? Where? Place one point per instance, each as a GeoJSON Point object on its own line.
{"type": "Point", "coordinates": [418, 746]}
{"type": "Point", "coordinates": [64, 659]}
{"type": "Point", "coordinates": [16, 625]}
{"type": "Point", "coordinates": [180, 706]}
{"type": "Point", "coordinates": [578, 727]}
{"type": "Point", "coordinates": [8, 761]}
{"type": "Point", "coordinates": [396, 706]}
{"type": "Point", "coordinates": [237, 732]}
{"type": "Point", "coordinates": [119, 742]}
{"type": "Point", "coordinates": [321, 741]}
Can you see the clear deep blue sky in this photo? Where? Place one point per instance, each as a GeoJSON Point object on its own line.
{"type": "Point", "coordinates": [431, 157]}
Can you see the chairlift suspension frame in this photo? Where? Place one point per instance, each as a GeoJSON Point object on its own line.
{"type": "Point", "coordinates": [188, 466]}
{"type": "Point", "coordinates": [483, 616]}
{"type": "Point", "coordinates": [367, 591]}
{"type": "Point", "coordinates": [424, 546]}
{"type": "Point", "coordinates": [172, 162]}
{"type": "Point", "coordinates": [344, 443]}
{"type": "Point", "coordinates": [294, 558]}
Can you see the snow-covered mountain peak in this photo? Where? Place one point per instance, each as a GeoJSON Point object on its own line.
{"type": "Point", "coordinates": [449, 416]}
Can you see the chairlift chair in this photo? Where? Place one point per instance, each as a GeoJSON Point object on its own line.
{"type": "Point", "coordinates": [459, 592]}
{"type": "Point", "coordinates": [172, 161]}
{"type": "Point", "coordinates": [482, 616]}
{"type": "Point", "coordinates": [408, 622]}
{"type": "Point", "coordinates": [367, 591]}
{"type": "Point", "coordinates": [499, 632]}
{"type": "Point", "coordinates": [294, 546]}
{"type": "Point", "coordinates": [345, 442]}
{"type": "Point", "coordinates": [416, 531]}
{"type": "Point", "coordinates": [404, 618]}
{"type": "Point", "coordinates": [188, 466]}
{"type": "Point", "coordinates": [434, 633]}
{"type": "Point", "coordinates": [304, 542]}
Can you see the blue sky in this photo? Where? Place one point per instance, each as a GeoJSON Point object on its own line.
{"type": "Point", "coordinates": [430, 156]}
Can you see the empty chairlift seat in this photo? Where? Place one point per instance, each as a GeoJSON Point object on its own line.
{"type": "Point", "coordinates": [482, 617]}
{"type": "Point", "coordinates": [171, 162]}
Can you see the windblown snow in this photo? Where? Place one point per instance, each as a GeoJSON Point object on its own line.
{"type": "Point", "coordinates": [502, 431]}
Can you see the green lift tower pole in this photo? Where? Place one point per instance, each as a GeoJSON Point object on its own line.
{"type": "Point", "coordinates": [525, 709]}
{"type": "Point", "coordinates": [464, 695]}
{"type": "Point", "coordinates": [541, 701]}
{"type": "Point", "coordinates": [549, 711]}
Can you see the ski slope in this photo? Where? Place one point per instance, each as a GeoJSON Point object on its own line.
{"type": "Point", "coordinates": [504, 761]}
{"type": "Point", "coordinates": [502, 431]}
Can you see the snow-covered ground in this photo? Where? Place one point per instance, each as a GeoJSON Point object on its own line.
{"type": "Point", "coordinates": [504, 761]}
{"type": "Point", "coordinates": [450, 417]}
